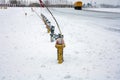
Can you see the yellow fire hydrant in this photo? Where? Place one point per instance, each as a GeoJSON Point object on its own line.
{"type": "Point", "coordinates": [60, 45]}
{"type": "Point", "coordinates": [48, 28]}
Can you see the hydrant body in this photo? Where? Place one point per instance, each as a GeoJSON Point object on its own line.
{"type": "Point", "coordinates": [60, 46]}
{"type": "Point", "coordinates": [60, 53]}
{"type": "Point", "coordinates": [48, 25]}
{"type": "Point", "coordinates": [48, 28]}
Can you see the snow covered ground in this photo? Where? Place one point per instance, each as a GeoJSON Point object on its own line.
{"type": "Point", "coordinates": [114, 10]}
{"type": "Point", "coordinates": [92, 49]}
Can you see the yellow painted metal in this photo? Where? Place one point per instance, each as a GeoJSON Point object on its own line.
{"type": "Point", "coordinates": [48, 28]}
{"type": "Point", "coordinates": [60, 52]}
{"type": "Point", "coordinates": [44, 21]}
{"type": "Point", "coordinates": [78, 4]}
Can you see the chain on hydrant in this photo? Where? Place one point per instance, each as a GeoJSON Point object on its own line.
{"type": "Point", "coordinates": [60, 46]}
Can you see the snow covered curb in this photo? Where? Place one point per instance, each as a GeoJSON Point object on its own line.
{"type": "Point", "coordinates": [112, 10]}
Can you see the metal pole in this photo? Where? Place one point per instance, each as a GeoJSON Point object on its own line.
{"type": "Point", "coordinates": [52, 16]}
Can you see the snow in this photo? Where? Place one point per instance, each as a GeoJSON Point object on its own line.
{"type": "Point", "coordinates": [92, 49]}
{"type": "Point", "coordinates": [114, 10]}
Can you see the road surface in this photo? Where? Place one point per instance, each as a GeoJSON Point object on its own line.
{"type": "Point", "coordinates": [104, 20]}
